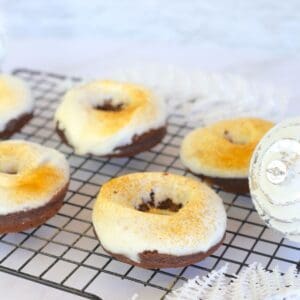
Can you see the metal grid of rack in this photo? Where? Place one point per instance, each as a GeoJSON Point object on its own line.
{"type": "Point", "coordinates": [64, 252]}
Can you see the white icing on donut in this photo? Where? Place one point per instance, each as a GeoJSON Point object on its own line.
{"type": "Point", "coordinates": [223, 149]}
{"type": "Point", "coordinates": [275, 176]}
{"type": "Point", "coordinates": [15, 99]}
{"type": "Point", "coordinates": [30, 175]}
{"type": "Point", "coordinates": [196, 227]}
{"type": "Point", "coordinates": [98, 132]}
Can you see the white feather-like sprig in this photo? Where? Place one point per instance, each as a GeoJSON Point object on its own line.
{"type": "Point", "coordinates": [207, 97]}
{"type": "Point", "coordinates": [253, 283]}
{"type": "Point", "coordinates": [211, 287]}
{"type": "Point", "coordinates": [204, 97]}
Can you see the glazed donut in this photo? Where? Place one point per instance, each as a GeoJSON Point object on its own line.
{"type": "Point", "coordinates": [33, 183]}
{"type": "Point", "coordinates": [158, 220]}
{"type": "Point", "coordinates": [109, 118]}
{"type": "Point", "coordinates": [221, 152]}
{"type": "Point", "coordinates": [16, 105]}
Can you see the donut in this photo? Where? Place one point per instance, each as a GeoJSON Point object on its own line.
{"type": "Point", "coordinates": [221, 153]}
{"type": "Point", "coordinates": [16, 105]}
{"type": "Point", "coordinates": [158, 220]}
{"type": "Point", "coordinates": [33, 182]}
{"type": "Point", "coordinates": [110, 118]}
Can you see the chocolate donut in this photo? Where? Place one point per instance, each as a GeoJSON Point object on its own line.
{"type": "Point", "coordinates": [33, 183]}
{"type": "Point", "coordinates": [16, 105]}
{"type": "Point", "coordinates": [109, 118]}
{"type": "Point", "coordinates": [220, 153]}
{"type": "Point", "coordinates": [158, 220]}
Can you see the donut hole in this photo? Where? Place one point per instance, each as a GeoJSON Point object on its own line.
{"type": "Point", "coordinates": [109, 105]}
{"type": "Point", "coordinates": [161, 207]}
{"type": "Point", "coordinates": [234, 138]}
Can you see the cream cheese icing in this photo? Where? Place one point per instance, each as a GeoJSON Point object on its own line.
{"type": "Point", "coordinates": [30, 175]}
{"type": "Point", "coordinates": [15, 99]}
{"type": "Point", "coordinates": [275, 176]}
{"type": "Point", "coordinates": [99, 132]}
{"type": "Point", "coordinates": [122, 229]}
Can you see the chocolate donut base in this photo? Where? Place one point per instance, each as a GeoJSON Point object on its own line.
{"type": "Point", "coordinates": [15, 125]}
{"type": "Point", "coordinates": [140, 143]}
{"type": "Point", "coordinates": [156, 260]}
{"type": "Point", "coordinates": [23, 220]}
{"type": "Point", "coordinates": [230, 185]}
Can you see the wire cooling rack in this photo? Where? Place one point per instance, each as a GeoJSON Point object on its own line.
{"type": "Point", "coordinates": [64, 252]}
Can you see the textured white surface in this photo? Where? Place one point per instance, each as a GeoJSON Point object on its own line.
{"type": "Point", "coordinates": [271, 25]}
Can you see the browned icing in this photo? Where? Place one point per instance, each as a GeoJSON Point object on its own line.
{"type": "Point", "coordinates": [38, 181]}
{"type": "Point", "coordinates": [112, 121]}
{"type": "Point", "coordinates": [229, 144]}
